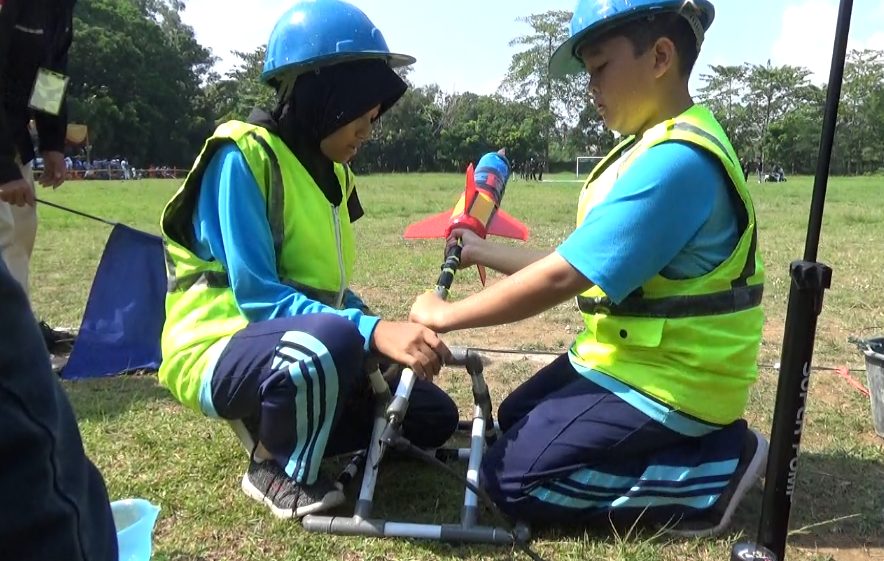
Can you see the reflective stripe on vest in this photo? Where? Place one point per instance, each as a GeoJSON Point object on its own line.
{"type": "Point", "coordinates": [727, 302]}
{"type": "Point", "coordinates": [690, 343]}
{"type": "Point", "coordinates": [313, 245]}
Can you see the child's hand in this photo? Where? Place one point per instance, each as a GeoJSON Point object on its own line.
{"type": "Point", "coordinates": [413, 345]}
{"type": "Point", "coordinates": [429, 310]}
{"type": "Point", "coordinates": [471, 244]}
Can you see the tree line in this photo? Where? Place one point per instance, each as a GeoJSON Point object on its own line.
{"type": "Point", "coordinates": [147, 90]}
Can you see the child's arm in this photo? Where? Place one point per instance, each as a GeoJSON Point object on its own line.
{"type": "Point", "coordinates": [231, 226]}
{"type": "Point", "coordinates": [506, 259]}
{"type": "Point", "coordinates": [534, 289]}
{"type": "Point", "coordinates": [647, 219]}
{"type": "Point", "coordinates": [353, 300]}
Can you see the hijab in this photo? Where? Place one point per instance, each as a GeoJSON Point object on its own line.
{"type": "Point", "coordinates": [322, 101]}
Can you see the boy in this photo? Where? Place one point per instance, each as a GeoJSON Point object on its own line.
{"type": "Point", "coordinates": [261, 326]}
{"type": "Point", "coordinates": [642, 417]}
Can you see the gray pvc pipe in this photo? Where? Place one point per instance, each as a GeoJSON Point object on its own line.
{"type": "Point", "coordinates": [352, 526]}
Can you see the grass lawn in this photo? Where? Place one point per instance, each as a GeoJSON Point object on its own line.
{"type": "Point", "coordinates": [147, 445]}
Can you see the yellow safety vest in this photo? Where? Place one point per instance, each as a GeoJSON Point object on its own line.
{"type": "Point", "coordinates": [313, 243]}
{"type": "Point", "coordinates": [690, 343]}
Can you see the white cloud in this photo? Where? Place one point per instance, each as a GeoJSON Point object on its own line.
{"type": "Point", "coordinates": [807, 35]}
{"type": "Point", "coordinates": [224, 26]}
{"type": "Point", "coordinates": [462, 84]}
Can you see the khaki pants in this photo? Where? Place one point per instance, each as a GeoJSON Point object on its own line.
{"type": "Point", "coordinates": [18, 230]}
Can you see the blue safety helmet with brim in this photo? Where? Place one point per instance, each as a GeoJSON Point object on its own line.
{"type": "Point", "coordinates": [316, 33]}
{"type": "Point", "coordinates": [592, 18]}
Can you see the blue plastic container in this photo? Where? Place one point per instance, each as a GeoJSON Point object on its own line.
{"type": "Point", "coordinates": [134, 520]}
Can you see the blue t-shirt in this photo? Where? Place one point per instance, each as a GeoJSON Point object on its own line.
{"type": "Point", "coordinates": [672, 213]}
{"type": "Point", "coordinates": [231, 227]}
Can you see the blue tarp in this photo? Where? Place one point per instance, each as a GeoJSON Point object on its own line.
{"type": "Point", "coordinates": [124, 315]}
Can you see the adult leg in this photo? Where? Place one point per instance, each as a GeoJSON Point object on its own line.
{"type": "Point", "coordinates": [588, 451]}
{"type": "Point", "coordinates": [18, 230]}
{"type": "Point", "coordinates": [54, 503]}
{"type": "Point", "coordinates": [7, 229]}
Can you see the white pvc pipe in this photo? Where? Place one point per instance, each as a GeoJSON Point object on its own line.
{"type": "Point", "coordinates": [477, 447]}
{"type": "Point", "coordinates": [406, 383]}
{"type": "Point", "coordinates": [404, 530]}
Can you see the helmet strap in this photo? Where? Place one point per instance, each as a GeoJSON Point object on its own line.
{"type": "Point", "coordinates": [694, 21]}
{"type": "Point", "coordinates": [286, 85]}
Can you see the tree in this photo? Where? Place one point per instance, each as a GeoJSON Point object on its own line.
{"type": "Point", "coordinates": [481, 124]}
{"type": "Point", "coordinates": [145, 87]}
{"type": "Point", "coordinates": [136, 81]}
{"type": "Point", "coordinates": [723, 91]}
{"type": "Point", "coordinates": [558, 100]}
{"type": "Point", "coordinates": [794, 140]}
{"type": "Point", "coordinates": [588, 137]}
{"type": "Point", "coordinates": [772, 93]}
{"type": "Point", "coordinates": [241, 90]}
{"type": "Point", "coordinates": [861, 121]}
{"type": "Point", "coordinates": [406, 138]}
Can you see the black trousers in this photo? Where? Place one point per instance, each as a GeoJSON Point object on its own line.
{"type": "Point", "coordinates": [299, 386]}
{"type": "Point", "coordinates": [53, 502]}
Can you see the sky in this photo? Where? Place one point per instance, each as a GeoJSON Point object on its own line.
{"type": "Point", "coordinates": [463, 45]}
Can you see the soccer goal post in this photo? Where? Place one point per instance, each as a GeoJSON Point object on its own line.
{"type": "Point", "coordinates": [586, 163]}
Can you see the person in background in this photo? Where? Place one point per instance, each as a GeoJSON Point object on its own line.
{"type": "Point", "coordinates": [34, 41]}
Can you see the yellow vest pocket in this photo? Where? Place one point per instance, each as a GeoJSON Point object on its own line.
{"type": "Point", "coordinates": [629, 331]}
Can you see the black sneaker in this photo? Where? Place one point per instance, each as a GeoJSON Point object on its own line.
{"type": "Point", "coordinates": [712, 522]}
{"type": "Point", "coordinates": [57, 341]}
{"type": "Point", "coordinates": [266, 482]}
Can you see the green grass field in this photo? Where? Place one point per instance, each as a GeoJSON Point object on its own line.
{"type": "Point", "coordinates": [147, 445]}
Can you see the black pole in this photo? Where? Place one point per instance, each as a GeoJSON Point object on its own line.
{"type": "Point", "coordinates": [449, 269]}
{"type": "Point", "coordinates": [77, 212]}
{"type": "Point", "coordinates": [830, 120]}
{"type": "Point", "coordinates": [809, 283]}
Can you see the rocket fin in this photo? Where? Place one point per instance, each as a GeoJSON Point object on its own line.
{"type": "Point", "coordinates": [434, 226]}
{"type": "Point", "coordinates": [504, 225]}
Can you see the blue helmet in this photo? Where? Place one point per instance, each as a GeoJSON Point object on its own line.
{"type": "Point", "coordinates": [598, 16]}
{"type": "Point", "coordinates": [317, 33]}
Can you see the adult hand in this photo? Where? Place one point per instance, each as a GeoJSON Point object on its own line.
{"type": "Point", "coordinates": [17, 192]}
{"type": "Point", "coordinates": [53, 169]}
{"type": "Point", "coordinates": [429, 310]}
{"type": "Point", "coordinates": [471, 244]}
{"type": "Point", "coordinates": [412, 345]}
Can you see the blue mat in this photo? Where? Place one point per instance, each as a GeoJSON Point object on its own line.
{"type": "Point", "coordinates": [124, 315]}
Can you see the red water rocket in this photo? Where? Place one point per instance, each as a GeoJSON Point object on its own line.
{"type": "Point", "coordinates": [478, 208]}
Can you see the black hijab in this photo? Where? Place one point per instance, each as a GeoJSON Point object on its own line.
{"type": "Point", "coordinates": [323, 101]}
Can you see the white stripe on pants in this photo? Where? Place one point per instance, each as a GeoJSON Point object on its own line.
{"type": "Point", "coordinates": [18, 230]}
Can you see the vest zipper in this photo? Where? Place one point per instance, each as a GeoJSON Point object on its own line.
{"type": "Point", "coordinates": [339, 301]}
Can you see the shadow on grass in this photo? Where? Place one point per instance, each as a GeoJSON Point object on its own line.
{"type": "Point", "coordinates": [838, 504]}
{"type": "Point", "coordinates": [103, 398]}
